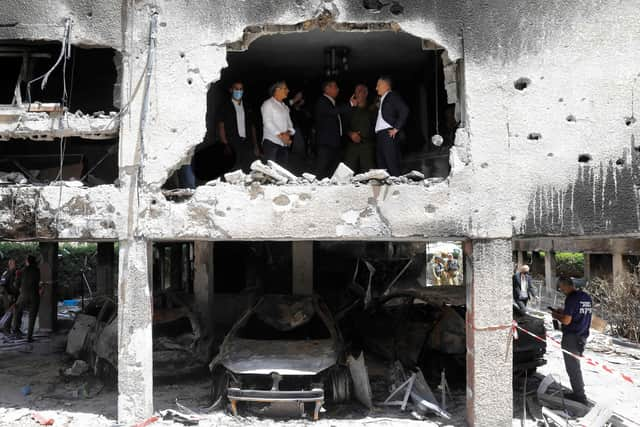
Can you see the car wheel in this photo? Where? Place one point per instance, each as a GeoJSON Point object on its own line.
{"type": "Point", "coordinates": [338, 385]}
{"type": "Point", "coordinates": [219, 384]}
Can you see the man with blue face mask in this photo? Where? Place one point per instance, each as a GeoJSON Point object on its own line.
{"type": "Point", "coordinates": [236, 129]}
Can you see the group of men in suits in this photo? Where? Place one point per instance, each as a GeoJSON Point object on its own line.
{"type": "Point", "coordinates": [364, 136]}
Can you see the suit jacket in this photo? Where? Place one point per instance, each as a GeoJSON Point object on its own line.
{"type": "Point", "coordinates": [516, 287]}
{"type": "Point", "coordinates": [228, 117]}
{"type": "Point", "coordinates": [394, 110]}
{"type": "Point", "coordinates": [327, 124]}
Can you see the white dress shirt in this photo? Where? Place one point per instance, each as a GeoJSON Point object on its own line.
{"type": "Point", "coordinates": [275, 120]}
{"type": "Point", "coordinates": [381, 124]}
{"type": "Point", "coordinates": [333, 101]}
{"type": "Point", "coordinates": [524, 284]}
{"type": "Point", "coordinates": [242, 129]}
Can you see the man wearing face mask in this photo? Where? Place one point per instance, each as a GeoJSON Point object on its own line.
{"type": "Point", "coordinates": [236, 129]}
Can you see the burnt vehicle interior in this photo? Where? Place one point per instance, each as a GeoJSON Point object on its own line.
{"type": "Point", "coordinates": [275, 326]}
{"type": "Point", "coordinates": [381, 296]}
{"type": "Point", "coordinates": [305, 59]}
{"type": "Point", "coordinates": [58, 113]}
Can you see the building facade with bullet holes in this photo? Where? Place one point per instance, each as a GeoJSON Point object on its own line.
{"type": "Point", "coordinates": [544, 141]}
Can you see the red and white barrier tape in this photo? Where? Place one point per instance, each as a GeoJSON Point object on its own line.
{"type": "Point", "coordinates": [587, 360]}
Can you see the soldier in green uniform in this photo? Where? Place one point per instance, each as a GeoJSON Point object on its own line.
{"type": "Point", "coordinates": [29, 298]}
{"type": "Point", "coordinates": [360, 150]}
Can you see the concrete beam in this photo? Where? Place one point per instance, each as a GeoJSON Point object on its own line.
{"type": "Point", "coordinates": [203, 280]}
{"type": "Point", "coordinates": [302, 266]}
{"type": "Point", "coordinates": [105, 269]}
{"type": "Point", "coordinates": [135, 310]}
{"type": "Point", "coordinates": [489, 316]}
{"type": "Point", "coordinates": [627, 245]}
{"type": "Point", "coordinates": [176, 265]}
{"type": "Point", "coordinates": [48, 311]}
{"type": "Point", "coordinates": [550, 276]}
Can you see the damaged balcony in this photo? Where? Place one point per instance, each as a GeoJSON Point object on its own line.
{"type": "Point", "coordinates": [59, 116]}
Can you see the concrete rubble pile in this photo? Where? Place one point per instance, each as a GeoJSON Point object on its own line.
{"type": "Point", "coordinates": [17, 123]}
{"type": "Point", "coordinates": [273, 173]}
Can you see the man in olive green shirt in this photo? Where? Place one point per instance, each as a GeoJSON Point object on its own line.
{"type": "Point", "coordinates": [360, 152]}
{"type": "Point", "coordinates": [29, 298]}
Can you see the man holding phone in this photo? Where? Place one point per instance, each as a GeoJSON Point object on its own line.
{"type": "Point", "coordinates": [576, 321]}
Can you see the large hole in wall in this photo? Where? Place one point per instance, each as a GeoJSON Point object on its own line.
{"type": "Point", "coordinates": [32, 117]}
{"type": "Point", "coordinates": [421, 71]}
{"type": "Point", "coordinates": [93, 162]}
{"type": "Point", "coordinates": [90, 75]}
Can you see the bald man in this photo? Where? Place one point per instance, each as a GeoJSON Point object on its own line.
{"type": "Point", "coordinates": [522, 287]}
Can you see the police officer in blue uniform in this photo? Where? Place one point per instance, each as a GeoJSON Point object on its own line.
{"type": "Point", "coordinates": [576, 321]}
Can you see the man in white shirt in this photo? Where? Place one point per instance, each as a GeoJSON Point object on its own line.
{"type": "Point", "coordinates": [522, 287]}
{"type": "Point", "coordinates": [277, 125]}
{"type": "Point", "coordinates": [392, 117]}
{"type": "Point", "coordinates": [236, 129]}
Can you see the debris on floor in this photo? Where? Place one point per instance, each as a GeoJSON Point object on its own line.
{"type": "Point", "coordinates": [415, 390]}
{"type": "Point", "coordinates": [78, 368]}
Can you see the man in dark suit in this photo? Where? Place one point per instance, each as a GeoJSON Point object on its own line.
{"type": "Point", "coordinates": [236, 129]}
{"type": "Point", "coordinates": [329, 128]}
{"type": "Point", "coordinates": [522, 287]}
{"type": "Point", "coordinates": [392, 116]}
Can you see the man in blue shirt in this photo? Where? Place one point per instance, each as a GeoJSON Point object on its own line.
{"type": "Point", "coordinates": [576, 321]}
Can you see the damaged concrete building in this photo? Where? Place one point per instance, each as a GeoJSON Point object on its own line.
{"type": "Point", "coordinates": [545, 145]}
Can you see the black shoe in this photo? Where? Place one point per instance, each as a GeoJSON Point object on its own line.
{"type": "Point", "coordinates": [30, 339]}
{"type": "Point", "coordinates": [577, 398]}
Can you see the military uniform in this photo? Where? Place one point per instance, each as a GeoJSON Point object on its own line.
{"type": "Point", "coordinates": [360, 156]}
{"type": "Point", "coordinates": [29, 299]}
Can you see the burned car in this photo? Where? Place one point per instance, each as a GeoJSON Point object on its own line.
{"type": "Point", "coordinates": [284, 349]}
{"type": "Point", "coordinates": [426, 328]}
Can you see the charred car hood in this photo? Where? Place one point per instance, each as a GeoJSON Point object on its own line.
{"type": "Point", "coordinates": [304, 357]}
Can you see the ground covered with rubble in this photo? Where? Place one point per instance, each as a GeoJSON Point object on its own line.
{"type": "Point", "coordinates": [38, 378]}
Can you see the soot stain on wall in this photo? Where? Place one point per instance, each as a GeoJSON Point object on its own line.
{"type": "Point", "coordinates": [603, 199]}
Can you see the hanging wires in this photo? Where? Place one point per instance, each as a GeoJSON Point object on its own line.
{"type": "Point", "coordinates": [436, 139]}
{"type": "Point", "coordinates": [65, 52]}
{"type": "Point", "coordinates": [65, 55]}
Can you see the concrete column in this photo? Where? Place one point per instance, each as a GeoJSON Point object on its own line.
{"type": "Point", "coordinates": [203, 283]}
{"type": "Point", "coordinates": [618, 270]}
{"type": "Point", "coordinates": [48, 311]}
{"type": "Point", "coordinates": [489, 317]}
{"type": "Point", "coordinates": [587, 266]}
{"type": "Point", "coordinates": [105, 269]}
{"type": "Point", "coordinates": [176, 266]}
{"type": "Point", "coordinates": [302, 263]}
{"type": "Point", "coordinates": [135, 310]}
{"type": "Point", "coordinates": [550, 271]}
{"type": "Point", "coordinates": [520, 258]}
{"type": "Point", "coordinates": [537, 265]}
